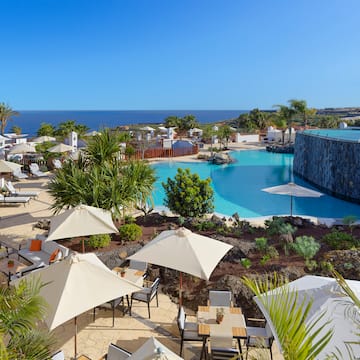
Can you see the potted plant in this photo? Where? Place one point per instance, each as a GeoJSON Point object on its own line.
{"type": "Point", "coordinates": [10, 263]}
{"type": "Point", "coordinates": [219, 315]}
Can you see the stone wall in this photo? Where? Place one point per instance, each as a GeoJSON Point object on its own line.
{"type": "Point", "coordinates": [331, 165]}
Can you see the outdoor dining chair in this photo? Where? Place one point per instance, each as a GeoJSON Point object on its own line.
{"type": "Point", "coordinates": [59, 355]}
{"type": "Point", "coordinates": [188, 330]}
{"type": "Point", "coordinates": [116, 353]}
{"type": "Point", "coordinates": [140, 266]}
{"type": "Point", "coordinates": [147, 295]}
{"type": "Point", "coordinates": [220, 298]}
{"type": "Point", "coordinates": [221, 347]}
{"type": "Point", "coordinates": [260, 337]}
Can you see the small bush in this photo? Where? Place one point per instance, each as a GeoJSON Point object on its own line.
{"type": "Point", "coordinates": [261, 244]}
{"type": "Point", "coordinates": [326, 266]}
{"type": "Point", "coordinates": [272, 252]}
{"type": "Point", "coordinates": [181, 220]}
{"type": "Point", "coordinates": [306, 246]}
{"type": "Point", "coordinates": [339, 240]}
{"type": "Point", "coordinates": [311, 264]}
{"type": "Point", "coordinates": [246, 263]}
{"type": "Point", "coordinates": [130, 232]}
{"type": "Point", "coordinates": [265, 259]}
{"type": "Point", "coordinates": [129, 219]}
{"type": "Point", "coordinates": [98, 241]}
{"type": "Point", "coordinates": [348, 266]}
{"type": "Point", "coordinates": [278, 226]}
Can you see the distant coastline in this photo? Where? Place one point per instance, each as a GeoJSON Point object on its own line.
{"type": "Point", "coordinates": [29, 120]}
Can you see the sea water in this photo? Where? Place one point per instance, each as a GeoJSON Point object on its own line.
{"type": "Point", "coordinates": [29, 121]}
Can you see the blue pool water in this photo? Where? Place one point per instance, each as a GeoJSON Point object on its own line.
{"type": "Point", "coordinates": [341, 134]}
{"type": "Point", "coordinates": [238, 187]}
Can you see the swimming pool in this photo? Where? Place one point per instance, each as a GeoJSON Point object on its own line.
{"type": "Point", "coordinates": [340, 134]}
{"type": "Point", "coordinates": [237, 186]}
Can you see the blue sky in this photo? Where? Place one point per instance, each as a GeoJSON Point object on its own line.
{"type": "Point", "coordinates": [189, 54]}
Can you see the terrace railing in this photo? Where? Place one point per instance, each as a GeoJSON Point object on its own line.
{"type": "Point", "coordinates": [164, 153]}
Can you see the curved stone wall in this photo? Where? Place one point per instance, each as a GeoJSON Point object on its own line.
{"type": "Point", "coordinates": [331, 165]}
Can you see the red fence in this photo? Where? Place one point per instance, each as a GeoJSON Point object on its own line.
{"type": "Point", "coordinates": [164, 153]}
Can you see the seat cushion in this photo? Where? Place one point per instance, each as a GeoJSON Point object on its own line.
{"type": "Point", "coordinates": [53, 255]}
{"type": "Point", "coordinates": [35, 245]}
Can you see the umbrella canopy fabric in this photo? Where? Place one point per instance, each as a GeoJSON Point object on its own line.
{"type": "Point", "coordinates": [147, 128]}
{"type": "Point", "coordinates": [184, 251]}
{"type": "Point", "coordinates": [81, 220]}
{"type": "Point", "coordinates": [292, 189]}
{"type": "Point", "coordinates": [77, 284]}
{"type": "Point", "coordinates": [153, 349]}
{"type": "Point", "coordinates": [61, 148]}
{"type": "Point", "coordinates": [8, 166]}
{"type": "Point", "coordinates": [44, 138]}
{"type": "Point", "coordinates": [327, 297]}
{"type": "Point", "coordinates": [92, 133]}
{"type": "Point", "coordinates": [22, 149]}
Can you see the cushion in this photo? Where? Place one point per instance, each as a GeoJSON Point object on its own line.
{"type": "Point", "coordinates": [53, 255]}
{"type": "Point", "coordinates": [35, 245]}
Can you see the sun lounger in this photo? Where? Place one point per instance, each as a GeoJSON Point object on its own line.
{"type": "Point", "coordinates": [14, 199]}
{"type": "Point", "coordinates": [19, 175]}
{"type": "Point", "coordinates": [57, 164]}
{"type": "Point", "coordinates": [34, 169]}
{"type": "Point", "coordinates": [13, 192]}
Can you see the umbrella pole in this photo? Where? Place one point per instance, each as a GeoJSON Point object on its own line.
{"type": "Point", "coordinates": [75, 337]}
{"type": "Point", "coordinates": [291, 205]}
{"type": "Point", "coordinates": [83, 245]}
{"type": "Point", "coordinates": [180, 290]}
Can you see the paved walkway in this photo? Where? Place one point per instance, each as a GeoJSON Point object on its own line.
{"type": "Point", "coordinates": [130, 332]}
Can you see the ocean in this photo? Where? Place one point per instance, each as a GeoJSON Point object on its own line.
{"type": "Point", "coordinates": [29, 121]}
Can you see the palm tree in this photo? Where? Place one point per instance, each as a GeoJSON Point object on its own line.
{"type": "Point", "coordinates": [6, 112]}
{"type": "Point", "coordinates": [102, 179]}
{"type": "Point", "coordinates": [103, 147]}
{"type": "Point", "coordinates": [21, 308]}
{"type": "Point", "coordinates": [352, 312]}
{"type": "Point", "coordinates": [298, 340]}
{"type": "Point", "coordinates": [300, 108]}
{"type": "Point", "coordinates": [285, 115]}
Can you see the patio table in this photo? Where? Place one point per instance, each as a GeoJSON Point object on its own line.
{"type": "Point", "coordinates": [18, 266]}
{"type": "Point", "coordinates": [133, 275]}
{"type": "Point", "coordinates": [233, 320]}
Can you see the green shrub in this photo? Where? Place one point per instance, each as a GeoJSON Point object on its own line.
{"type": "Point", "coordinates": [181, 220]}
{"type": "Point", "coordinates": [130, 232]}
{"type": "Point", "coordinates": [246, 263]}
{"type": "Point", "coordinates": [261, 244]}
{"type": "Point", "coordinates": [311, 264]}
{"type": "Point", "coordinates": [348, 266]}
{"type": "Point", "coordinates": [306, 246]}
{"type": "Point", "coordinates": [98, 241]}
{"type": "Point", "coordinates": [327, 266]}
{"type": "Point", "coordinates": [350, 221]}
{"type": "Point", "coordinates": [273, 225]}
{"type": "Point", "coordinates": [339, 240]}
{"type": "Point", "coordinates": [129, 219]}
{"type": "Point", "coordinates": [265, 259]}
{"type": "Point", "coordinates": [278, 226]}
{"type": "Point", "coordinates": [272, 252]}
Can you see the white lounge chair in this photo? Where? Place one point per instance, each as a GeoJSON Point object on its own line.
{"type": "Point", "coordinates": [57, 164]}
{"type": "Point", "coordinates": [34, 169]}
{"type": "Point", "coordinates": [13, 192]}
{"type": "Point", "coordinates": [14, 199]}
{"type": "Point", "coordinates": [19, 175]}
